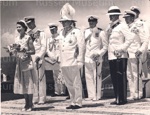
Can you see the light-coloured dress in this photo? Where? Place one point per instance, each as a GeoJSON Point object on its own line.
{"type": "Point", "coordinates": [24, 75]}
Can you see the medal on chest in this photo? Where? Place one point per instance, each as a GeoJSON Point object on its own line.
{"type": "Point", "coordinates": [70, 40]}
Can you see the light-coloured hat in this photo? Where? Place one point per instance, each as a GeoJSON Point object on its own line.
{"type": "Point", "coordinates": [23, 22]}
{"type": "Point", "coordinates": [52, 25]}
{"type": "Point", "coordinates": [29, 19]}
{"type": "Point", "coordinates": [67, 12]}
{"type": "Point", "coordinates": [114, 10]}
{"type": "Point", "coordinates": [92, 17]}
{"type": "Point", "coordinates": [135, 9]}
{"type": "Point", "coordinates": [129, 13]}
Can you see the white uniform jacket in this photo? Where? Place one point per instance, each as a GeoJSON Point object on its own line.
{"type": "Point", "coordinates": [70, 44]}
{"type": "Point", "coordinates": [96, 42]}
{"type": "Point", "coordinates": [53, 47]}
{"type": "Point", "coordinates": [119, 37]}
{"type": "Point", "coordinates": [40, 43]}
{"type": "Point", "coordinates": [141, 39]}
{"type": "Point", "coordinates": [53, 52]}
{"type": "Point", "coordinates": [148, 25]}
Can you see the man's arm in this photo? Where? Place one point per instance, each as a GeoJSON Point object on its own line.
{"type": "Point", "coordinates": [43, 45]}
{"type": "Point", "coordinates": [129, 38]}
{"type": "Point", "coordinates": [81, 46]}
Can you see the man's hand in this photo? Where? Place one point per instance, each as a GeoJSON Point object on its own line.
{"type": "Point", "coordinates": [117, 53]}
{"type": "Point", "coordinates": [52, 59]}
{"type": "Point", "coordinates": [80, 65]}
{"type": "Point", "coordinates": [94, 56]}
{"type": "Point", "coordinates": [137, 54]}
{"type": "Point", "coordinates": [37, 59]}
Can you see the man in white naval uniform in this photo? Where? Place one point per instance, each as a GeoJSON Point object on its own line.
{"type": "Point", "coordinates": [53, 53]}
{"type": "Point", "coordinates": [39, 41]}
{"type": "Point", "coordinates": [119, 38]}
{"type": "Point", "coordinates": [72, 47]}
{"type": "Point", "coordinates": [135, 51]}
{"type": "Point", "coordinates": [96, 46]}
{"type": "Point", "coordinates": [143, 25]}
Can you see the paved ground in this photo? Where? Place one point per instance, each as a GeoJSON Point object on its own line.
{"type": "Point", "coordinates": [57, 105]}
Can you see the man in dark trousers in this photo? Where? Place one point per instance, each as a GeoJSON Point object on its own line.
{"type": "Point", "coordinates": [119, 39]}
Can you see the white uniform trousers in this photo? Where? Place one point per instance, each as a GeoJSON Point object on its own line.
{"type": "Point", "coordinates": [73, 82]}
{"type": "Point", "coordinates": [144, 65]}
{"type": "Point", "coordinates": [39, 95]}
{"type": "Point", "coordinates": [59, 87]}
{"type": "Point", "coordinates": [132, 76]}
{"type": "Point", "coordinates": [90, 76]}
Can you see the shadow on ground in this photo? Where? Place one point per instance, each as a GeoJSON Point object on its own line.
{"type": "Point", "coordinates": [42, 108]}
{"type": "Point", "coordinates": [10, 96]}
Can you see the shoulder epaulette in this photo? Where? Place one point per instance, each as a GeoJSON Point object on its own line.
{"type": "Point", "coordinates": [100, 29]}
{"type": "Point", "coordinates": [141, 20]}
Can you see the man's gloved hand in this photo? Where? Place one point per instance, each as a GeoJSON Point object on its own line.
{"type": "Point", "coordinates": [117, 53]}
{"type": "Point", "coordinates": [37, 59]}
{"type": "Point", "coordinates": [94, 56]}
{"type": "Point", "coordinates": [80, 65]}
{"type": "Point", "coordinates": [138, 53]}
{"type": "Point", "coordinates": [38, 62]}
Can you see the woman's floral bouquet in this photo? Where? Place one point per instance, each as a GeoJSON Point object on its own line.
{"type": "Point", "coordinates": [12, 49]}
{"type": "Point", "coordinates": [15, 49]}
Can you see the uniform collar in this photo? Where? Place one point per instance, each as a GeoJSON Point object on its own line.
{"type": "Point", "coordinates": [115, 23]}
{"type": "Point", "coordinates": [65, 33]}
{"type": "Point", "coordinates": [93, 28]}
{"type": "Point", "coordinates": [130, 25]}
{"type": "Point", "coordinates": [54, 35]}
{"type": "Point", "coordinates": [32, 30]}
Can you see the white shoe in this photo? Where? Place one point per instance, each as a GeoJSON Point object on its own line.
{"type": "Point", "coordinates": [94, 99]}
{"type": "Point", "coordinates": [88, 99]}
{"type": "Point", "coordinates": [131, 98]}
{"type": "Point", "coordinates": [29, 109]}
{"type": "Point", "coordinates": [41, 102]}
{"type": "Point", "coordinates": [24, 109]}
{"type": "Point", "coordinates": [137, 96]}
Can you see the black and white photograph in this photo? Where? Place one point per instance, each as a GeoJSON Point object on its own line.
{"type": "Point", "coordinates": [75, 57]}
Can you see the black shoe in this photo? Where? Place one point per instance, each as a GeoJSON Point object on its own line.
{"type": "Point", "coordinates": [76, 107]}
{"type": "Point", "coordinates": [70, 107]}
{"type": "Point", "coordinates": [62, 94]}
{"type": "Point", "coordinates": [55, 95]}
{"type": "Point", "coordinates": [122, 103]}
{"type": "Point", "coordinates": [68, 97]}
{"type": "Point", "coordinates": [113, 103]}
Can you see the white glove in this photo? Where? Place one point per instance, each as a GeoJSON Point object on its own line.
{"type": "Point", "coordinates": [80, 65]}
{"type": "Point", "coordinates": [117, 53]}
{"type": "Point", "coordinates": [94, 56]}
{"type": "Point", "coordinates": [137, 54]}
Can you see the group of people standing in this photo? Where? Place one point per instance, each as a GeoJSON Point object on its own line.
{"type": "Point", "coordinates": [71, 49]}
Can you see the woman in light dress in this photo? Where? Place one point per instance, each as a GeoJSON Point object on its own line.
{"type": "Point", "coordinates": [24, 75]}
